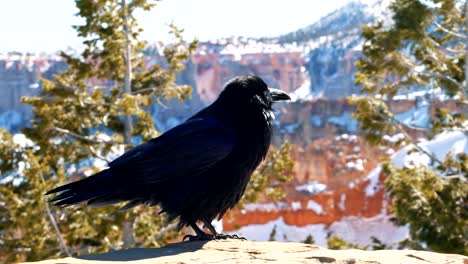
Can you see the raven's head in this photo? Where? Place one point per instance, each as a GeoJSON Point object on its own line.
{"type": "Point", "coordinates": [251, 90]}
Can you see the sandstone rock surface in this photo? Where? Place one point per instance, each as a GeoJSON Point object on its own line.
{"type": "Point", "coordinates": [235, 251]}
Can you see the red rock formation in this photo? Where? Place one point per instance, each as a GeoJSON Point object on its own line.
{"type": "Point", "coordinates": [278, 69]}
{"type": "Point", "coordinates": [356, 203]}
{"type": "Point", "coordinates": [326, 161]}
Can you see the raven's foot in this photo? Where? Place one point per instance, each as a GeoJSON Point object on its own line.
{"type": "Point", "coordinates": [225, 236]}
{"type": "Point", "coordinates": [203, 237]}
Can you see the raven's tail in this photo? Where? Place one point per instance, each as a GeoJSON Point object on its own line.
{"type": "Point", "coordinates": [97, 190]}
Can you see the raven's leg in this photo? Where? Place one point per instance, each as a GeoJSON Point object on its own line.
{"type": "Point", "coordinates": [220, 236]}
{"type": "Point", "coordinates": [210, 227]}
{"type": "Point", "coordinates": [200, 234]}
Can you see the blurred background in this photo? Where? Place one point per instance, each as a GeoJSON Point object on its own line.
{"type": "Point", "coordinates": [370, 153]}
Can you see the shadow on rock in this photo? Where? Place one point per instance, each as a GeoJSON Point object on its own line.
{"type": "Point", "coordinates": [147, 253]}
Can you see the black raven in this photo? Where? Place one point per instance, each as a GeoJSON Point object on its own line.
{"type": "Point", "coordinates": [197, 170]}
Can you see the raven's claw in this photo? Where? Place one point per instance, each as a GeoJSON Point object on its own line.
{"type": "Point", "coordinates": [192, 238]}
{"type": "Point", "coordinates": [206, 237]}
{"type": "Point", "coordinates": [225, 236]}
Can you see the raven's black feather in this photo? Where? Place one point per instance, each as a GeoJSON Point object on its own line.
{"type": "Point", "coordinates": [196, 171]}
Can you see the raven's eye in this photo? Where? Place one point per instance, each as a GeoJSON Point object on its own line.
{"type": "Point", "coordinates": [267, 95]}
{"type": "Point", "coordinates": [260, 100]}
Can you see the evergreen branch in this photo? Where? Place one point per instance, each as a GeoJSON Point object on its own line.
{"type": "Point", "coordinates": [94, 152]}
{"type": "Point", "coordinates": [400, 126]}
{"type": "Point", "coordinates": [452, 50]}
{"type": "Point", "coordinates": [448, 31]}
{"type": "Point", "coordinates": [411, 67]}
{"type": "Point", "coordinates": [85, 138]}
{"type": "Point", "coordinates": [412, 127]}
{"type": "Point", "coordinates": [140, 91]}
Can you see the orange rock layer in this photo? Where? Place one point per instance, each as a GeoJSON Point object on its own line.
{"type": "Point", "coordinates": [355, 203]}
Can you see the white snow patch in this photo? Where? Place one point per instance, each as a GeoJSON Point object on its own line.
{"type": "Point", "coordinates": [22, 140]}
{"type": "Point", "coordinates": [341, 205]}
{"type": "Point", "coordinates": [394, 138]}
{"type": "Point", "coordinates": [284, 232]}
{"type": "Point", "coordinates": [314, 206]}
{"type": "Point", "coordinates": [312, 187]}
{"type": "Point", "coordinates": [453, 141]}
{"type": "Point", "coordinates": [99, 163]}
{"type": "Point", "coordinates": [268, 207]}
{"type": "Point", "coordinates": [296, 205]}
{"type": "Point", "coordinates": [352, 229]}
{"type": "Point", "coordinates": [359, 230]}
{"type": "Point", "coordinates": [304, 92]}
{"type": "Point", "coordinates": [87, 172]}
{"type": "Point", "coordinates": [355, 165]}
{"type": "Point", "coordinates": [389, 151]}
{"type": "Point", "coordinates": [373, 178]}
{"type": "Point", "coordinates": [71, 169]}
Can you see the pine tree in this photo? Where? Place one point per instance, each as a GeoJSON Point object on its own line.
{"type": "Point", "coordinates": [88, 113]}
{"type": "Point", "coordinates": [309, 240]}
{"type": "Point", "coordinates": [335, 242]}
{"type": "Point", "coordinates": [86, 116]}
{"type": "Point", "coordinates": [425, 47]}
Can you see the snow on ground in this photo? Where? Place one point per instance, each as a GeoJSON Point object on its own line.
{"type": "Point", "coordinates": [304, 92]}
{"type": "Point", "coordinates": [454, 142]}
{"type": "Point", "coordinates": [278, 206]}
{"type": "Point", "coordinates": [314, 206]}
{"type": "Point", "coordinates": [434, 93]}
{"type": "Point", "coordinates": [352, 229]}
{"type": "Point", "coordinates": [284, 232]}
{"type": "Point", "coordinates": [296, 206]}
{"type": "Point", "coordinates": [359, 230]}
{"type": "Point", "coordinates": [342, 205]}
{"type": "Point", "coordinates": [268, 207]}
{"type": "Point", "coordinates": [355, 165]}
{"type": "Point", "coordinates": [312, 187]}
{"type": "Point", "coordinates": [373, 178]}
{"type": "Point", "coordinates": [22, 140]}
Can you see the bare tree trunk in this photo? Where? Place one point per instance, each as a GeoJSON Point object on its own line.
{"type": "Point", "coordinates": [128, 75]}
{"type": "Point", "coordinates": [466, 51]}
{"type": "Point", "coordinates": [127, 229]}
{"type": "Point", "coordinates": [60, 239]}
{"type": "Point", "coordinates": [127, 236]}
{"type": "Point", "coordinates": [63, 245]}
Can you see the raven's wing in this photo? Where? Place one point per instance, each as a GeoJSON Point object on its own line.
{"type": "Point", "coordinates": [186, 150]}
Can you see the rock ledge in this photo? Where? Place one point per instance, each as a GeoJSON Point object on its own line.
{"type": "Point", "coordinates": [236, 251]}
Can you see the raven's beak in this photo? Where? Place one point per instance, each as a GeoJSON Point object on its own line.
{"type": "Point", "coordinates": [278, 95]}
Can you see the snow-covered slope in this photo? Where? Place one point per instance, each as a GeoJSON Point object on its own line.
{"type": "Point", "coordinates": [453, 142]}
{"type": "Point", "coordinates": [332, 45]}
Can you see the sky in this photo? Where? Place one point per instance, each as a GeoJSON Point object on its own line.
{"type": "Point", "coordinates": [45, 25]}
